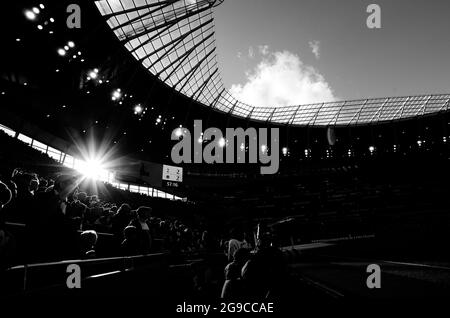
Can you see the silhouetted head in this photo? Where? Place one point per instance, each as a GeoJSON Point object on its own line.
{"type": "Point", "coordinates": [5, 195]}
{"type": "Point", "coordinates": [241, 255]}
{"type": "Point", "coordinates": [65, 184]}
{"type": "Point", "coordinates": [130, 232]}
{"type": "Point", "coordinates": [124, 209]}
{"type": "Point", "coordinates": [144, 213]}
{"type": "Point", "coordinates": [88, 239]}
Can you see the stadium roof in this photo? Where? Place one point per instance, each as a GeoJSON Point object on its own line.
{"type": "Point", "coordinates": [175, 41]}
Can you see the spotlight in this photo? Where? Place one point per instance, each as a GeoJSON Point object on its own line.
{"type": "Point", "coordinates": [93, 74]}
{"type": "Point", "coordinates": [42, 6]}
{"type": "Point", "coordinates": [179, 132]}
{"type": "Point", "coordinates": [40, 27]}
{"type": "Point", "coordinates": [52, 20]}
{"type": "Point", "coordinates": [91, 169]}
{"type": "Point", "coordinates": [138, 109]}
{"type": "Point", "coordinates": [71, 44]}
{"type": "Point", "coordinates": [36, 10]}
{"type": "Point", "coordinates": [117, 94]}
{"type": "Point", "coordinates": [61, 52]}
{"type": "Point", "coordinates": [285, 151]}
{"type": "Point", "coordinates": [372, 149]}
{"type": "Point", "coordinates": [222, 142]}
{"type": "Point", "coordinates": [30, 15]}
{"type": "Point", "coordinates": [66, 48]}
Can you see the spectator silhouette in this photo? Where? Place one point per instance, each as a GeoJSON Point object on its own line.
{"type": "Point", "coordinates": [130, 245]}
{"type": "Point", "coordinates": [88, 241]}
{"type": "Point", "coordinates": [140, 222]}
{"type": "Point", "coordinates": [49, 234]}
{"type": "Point", "coordinates": [265, 272]}
{"type": "Point", "coordinates": [237, 241]}
{"type": "Point", "coordinates": [120, 220]}
{"type": "Point", "coordinates": [233, 287]}
{"type": "Point", "coordinates": [5, 195]}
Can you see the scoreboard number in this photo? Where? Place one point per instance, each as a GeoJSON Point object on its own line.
{"type": "Point", "coordinates": [172, 176]}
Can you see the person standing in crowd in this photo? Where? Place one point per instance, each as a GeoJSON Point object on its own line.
{"type": "Point", "coordinates": [42, 185]}
{"type": "Point", "coordinates": [130, 245]}
{"type": "Point", "coordinates": [265, 272]}
{"type": "Point", "coordinates": [24, 199]}
{"type": "Point", "coordinates": [232, 287]}
{"type": "Point", "coordinates": [140, 222]}
{"type": "Point", "coordinates": [120, 220]}
{"type": "Point", "coordinates": [88, 241]}
{"type": "Point", "coordinates": [49, 234]}
{"type": "Point", "coordinates": [237, 241]}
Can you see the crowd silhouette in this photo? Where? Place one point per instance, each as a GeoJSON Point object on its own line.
{"type": "Point", "coordinates": [60, 221]}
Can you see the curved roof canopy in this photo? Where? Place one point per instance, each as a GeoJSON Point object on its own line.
{"type": "Point", "coordinates": [174, 40]}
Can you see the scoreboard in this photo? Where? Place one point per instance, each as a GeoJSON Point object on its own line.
{"type": "Point", "coordinates": [172, 176]}
{"type": "Point", "coordinates": [152, 174]}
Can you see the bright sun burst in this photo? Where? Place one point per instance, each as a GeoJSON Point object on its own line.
{"type": "Point", "coordinates": [91, 169]}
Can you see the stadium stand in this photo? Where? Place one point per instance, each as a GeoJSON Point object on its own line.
{"type": "Point", "coordinates": [360, 182]}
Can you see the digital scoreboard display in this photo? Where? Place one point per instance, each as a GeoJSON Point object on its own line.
{"type": "Point", "coordinates": [172, 176]}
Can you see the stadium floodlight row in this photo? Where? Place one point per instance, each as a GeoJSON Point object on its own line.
{"type": "Point", "coordinates": [175, 41]}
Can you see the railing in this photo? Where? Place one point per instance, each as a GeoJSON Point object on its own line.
{"type": "Point", "coordinates": [44, 276]}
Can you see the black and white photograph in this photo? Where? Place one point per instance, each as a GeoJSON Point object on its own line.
{"type": "Point", "coordinates": [223, 157]}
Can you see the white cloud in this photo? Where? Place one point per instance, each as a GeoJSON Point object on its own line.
{"type": "Point", "coordinates": [282, 79]}
{"type": "Point", "coordinates": [315, 47]}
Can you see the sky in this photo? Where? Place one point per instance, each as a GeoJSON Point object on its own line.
{"type": "Point", "coordinates": [290, 52]}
